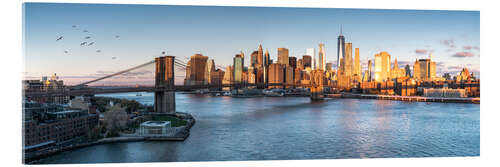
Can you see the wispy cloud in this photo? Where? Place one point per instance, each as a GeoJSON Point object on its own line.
{"type": "Point", "coordinates": [463, 54]}
{"type": "Point", "coordinates": [421, 51]}
{"type": "Point", "coordinates": [454, 68]}
{"type": "Point", "coordinates": [449, 43]}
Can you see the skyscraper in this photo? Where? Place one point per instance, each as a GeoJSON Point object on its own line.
{"type": "Point", "coordinates": [348, 60]}
{"type": "Point", "coordinates": [340, 49]}
{"type": "Point", "coordinates": [382, 66]}
{"type": "Point", "coordinates": [283, 56]}
{"type": "Point", "coordinates": [292, 61]}
{"type": "Point", "coordinates": [208, 71]}
{"type": "Point", "coordinates": [310, 52]}
{"type": "Point", "coordinates": [424, 69]}
{"type": "Point", "coordinates": [238, 64]}
{"type": "Point", "coordinates": [276, 74]}
{"type": "Point", "coordinates": [357, 65]}
{"type": "Point", "coordinates": [197, 68]}
{"type": "Point", "coordinates": [267, 62]}
{"type": "Point", "coordinates": [370, 65]}
{"type": "Point", "coordinates": [307, 61]}
{"type": "Point", "coordinates": [254, 59]}
{"type": "Point", "coordinates": [322, 57]}
{"type": "Point", "coordinates": [260, 53]}
{"type": "Point", "coordinates": [267, 59]}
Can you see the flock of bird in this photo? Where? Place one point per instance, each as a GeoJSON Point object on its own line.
{"type": "Point", "coordinates": [87, 41]}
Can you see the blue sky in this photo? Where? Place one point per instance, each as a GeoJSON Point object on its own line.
{"type": "Point", "coordinates": [221, 32]}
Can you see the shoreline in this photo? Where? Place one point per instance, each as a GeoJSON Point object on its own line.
{"type": "Point", "coordinates": [177, 138]}
{"type": "Point", "coordinates": [472, 100]}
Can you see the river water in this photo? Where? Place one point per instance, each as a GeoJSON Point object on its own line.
{"type": "Point", "coordinates": [285, 128]}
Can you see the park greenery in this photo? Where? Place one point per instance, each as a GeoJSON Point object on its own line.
{"type": "Point", "coordinates": [175, 122]}
{"type": "Point", "coordinates": [129, 105]}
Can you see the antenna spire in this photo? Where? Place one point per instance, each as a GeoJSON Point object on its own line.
{"type": "Point", "coordinates": [340, 29]}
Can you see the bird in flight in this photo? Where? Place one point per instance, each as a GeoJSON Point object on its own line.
{"type": "Point", "coordinates": [98, 51]}
{"type": "Point", "coordinates": [87, 37]}
{"type": "Point", "coordinates": [113, 57]}
{"type": "Point", "coordinates": [60, 38]}
{"type": "Point", "coordinates": [85, 31]}
{"type": "Point", "coordinates": [83, 43]}
{"type": "Point", "coordinates": [117, 36]}
{"type": "Point", "coordinates": [91, 43]}
{"type": "Point", "coordinates": [74, 26]}
{"type": "Point", "coordinates": [66, 51]}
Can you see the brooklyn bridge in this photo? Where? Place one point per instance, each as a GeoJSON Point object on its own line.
{"type": "Point", "coordinates": [164, 87]}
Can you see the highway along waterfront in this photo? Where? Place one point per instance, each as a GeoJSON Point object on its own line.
{"type": "Point", "coordinates": [285, 128]}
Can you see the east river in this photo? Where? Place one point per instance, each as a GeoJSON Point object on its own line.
{"type": "Point", "coordinates": [285, 128]}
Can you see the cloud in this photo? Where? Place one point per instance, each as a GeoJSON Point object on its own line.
{"type": "Point", "coordinates": [449, 43]}
{"type": "Point", "coordinates": [468, 47]}
{"type": "Point", "coordinates": [421, 51]}
{"type": "Point", "coordinates": [463, 54]}
{"type": "Point", "coordinates": [454, 68]}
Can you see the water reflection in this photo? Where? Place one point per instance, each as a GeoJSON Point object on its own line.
{"type": "Point", "coordinates": [297, 128]}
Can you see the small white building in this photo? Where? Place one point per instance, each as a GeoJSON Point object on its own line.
{"type": "Point", "coordinates": [156, 128]}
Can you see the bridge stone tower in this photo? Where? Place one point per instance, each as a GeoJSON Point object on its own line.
{"type": "Point", "coordinates": [317, 84]}
{"type": "Point", "coordinates": [164, 78]}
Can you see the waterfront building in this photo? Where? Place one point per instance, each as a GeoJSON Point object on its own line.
{"type": "Point", "coordinates": [382, 66]}
{"type": "Point", "coordinates": [445, 92]}
{"type": "Point", "coordinates": [47, 125]}
{"type": "Point", "coordinates": [208, 72]}
{"type": "Point", "coordinates": [340, 49]}
{"type": "Point", "coordinates": [276, 74]}
{"type": "Point", "coordinates": [228, 75]}
{"type": "Point", "coordinates": [307, 61]}
{"type": "Point", "coordinates": [283, 56]}
{"type": "Point", "coordinates": [259, 75]}
{"type": "Point", "coordinates": [46, 84]}
{"type": "Point", "coordinates": [311, 52]}
{"type": "Point", "coordinates": [298, 73]}
{"type": "Point", "coordinates": [289, 77]}
{"type": "Point", "coordinates": [322, 57]}
{"type": "Point", "coordinates": [216, 77]}
{"type": "Point", "coordinates": [197, 67]}
{"type": "Point", "coordinates": [238, 65]}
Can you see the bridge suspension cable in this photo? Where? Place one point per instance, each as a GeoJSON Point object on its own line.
{"type": "Point", "coordinates": [118, 73]}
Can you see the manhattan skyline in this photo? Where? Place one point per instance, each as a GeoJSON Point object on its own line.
{"type": "Point", "coordinates": [221, 32]}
